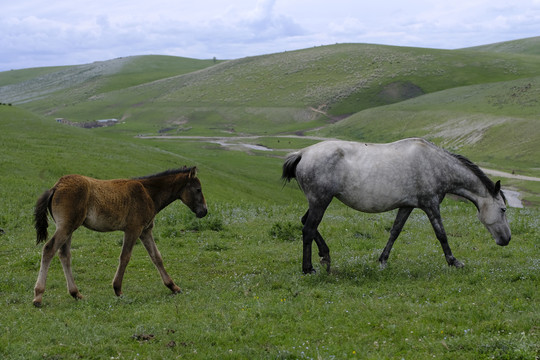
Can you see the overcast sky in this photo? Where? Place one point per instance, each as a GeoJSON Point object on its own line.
{"type": "Point", "coordinates": [40, 33]}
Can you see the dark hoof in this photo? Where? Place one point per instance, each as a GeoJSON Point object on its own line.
{"type": "Point", "coordinates": [326, 263]}
{"type": "Point", "coordinates": [309, 271]}
{"type": "Point", "coordinates": [455, 262]}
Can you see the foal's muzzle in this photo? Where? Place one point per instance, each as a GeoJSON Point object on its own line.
{"type": "Point", "coordinates": [202, 212]}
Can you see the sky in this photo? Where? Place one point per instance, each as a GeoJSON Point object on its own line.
{"type": "Point", "coordinates": [35, 33]}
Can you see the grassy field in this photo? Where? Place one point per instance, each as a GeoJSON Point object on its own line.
{"type": "Point", "coordinates": [244, 295]}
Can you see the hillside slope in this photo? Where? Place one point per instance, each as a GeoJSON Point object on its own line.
{"type": "Point", "coordinates": [528, 46]}
{"type": "Point", "coordinates": [497, 123]}
{"type": "Point", "coordinates": [79, 82]}
{"type": "Point", "coordinates": [284, 92]}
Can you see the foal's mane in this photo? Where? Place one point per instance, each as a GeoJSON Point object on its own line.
{"type": "Point", "coordinates": [479, 173]}
{"type": "Point", "coordinates": [184, 170]}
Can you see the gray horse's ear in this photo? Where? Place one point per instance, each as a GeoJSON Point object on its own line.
{"type": "Point", "coordinates": [193, 172]}
{"type": "Point", "coordinates": [497, 187]}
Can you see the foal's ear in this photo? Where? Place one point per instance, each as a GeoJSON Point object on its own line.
{"type": "Point", "coordinates": [497, 187]}
{"type": "Point", "coordinates": [192, 173]}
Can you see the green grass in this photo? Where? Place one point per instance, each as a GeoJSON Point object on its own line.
{"type": "Point", "coordinates": [240, 267]}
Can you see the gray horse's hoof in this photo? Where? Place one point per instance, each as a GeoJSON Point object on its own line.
{"type": "Point", "coordinates": [325, 263]}
{"type": "Point", "coordinates": [455, 262]}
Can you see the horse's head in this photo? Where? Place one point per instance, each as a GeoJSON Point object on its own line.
{"type": "Point", "coordinates": [492, 213]}
{"type": "Point", "coordinates": [192, 194]}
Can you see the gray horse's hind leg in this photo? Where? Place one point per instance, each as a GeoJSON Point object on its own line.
{"type": "Point", "coordinates": [324, 251]}
{"type": "Point", "coordinates": [436, 221]}
{"type": "Point", "coordinates": [309, 233]}
{"type": "Point", "coordinates": [401, 218]}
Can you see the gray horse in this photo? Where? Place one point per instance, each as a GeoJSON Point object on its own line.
{"type": "Point", "coordinates": [374, 178]}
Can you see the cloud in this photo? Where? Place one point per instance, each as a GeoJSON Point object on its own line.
{"type": "Point", "coordinates": [80, 32]}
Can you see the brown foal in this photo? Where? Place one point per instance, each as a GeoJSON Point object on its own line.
{"type": "Point", "coordinates": [129, 205]}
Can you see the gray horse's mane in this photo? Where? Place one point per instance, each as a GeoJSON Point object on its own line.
{"type": "Point", "coordinates": [490, 185]}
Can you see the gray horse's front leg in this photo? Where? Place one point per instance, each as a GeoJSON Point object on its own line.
{"type": "Point", "coordinates": [401, 218]}
{"type": "Point", "coordinates": [436, 221]}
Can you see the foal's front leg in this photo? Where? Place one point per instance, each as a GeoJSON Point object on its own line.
{"type": "Point", "coordinates": [130, 237]}
{"type": "Point", "coordinates": [148, 241]}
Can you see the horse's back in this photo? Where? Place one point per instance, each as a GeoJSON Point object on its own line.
{"type": "Point", "coordinates": [369, 177]}
{"type": "Point", "coordinates": [101, 205]}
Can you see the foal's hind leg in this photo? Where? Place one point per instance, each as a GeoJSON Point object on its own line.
{"type": "Point", "coordinates": [324, 251]}
{"type": "Point", "coordinates": [401, 218]}
{"type": "Point", "coordinates": [148, 241]}
{"type": "Point", "coordinates": [65, 258]}
{"type": "Point", "coordinates": [49, 249]}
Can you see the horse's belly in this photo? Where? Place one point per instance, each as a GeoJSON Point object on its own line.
{"type": "Point", "coordinates": [375, 201]}
{"type": "Point", "coordinates": [102, 221]}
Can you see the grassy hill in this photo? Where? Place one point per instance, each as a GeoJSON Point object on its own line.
{"type": "Point", "coordinates": [273, 93]}
{"type": "Point", "coordinates": [73, 84]}
{"type": "Point", "coordinates": [479, 101]}
{"type": "Point", "coordinates": [529, 46]}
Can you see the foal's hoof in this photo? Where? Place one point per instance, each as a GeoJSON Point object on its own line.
{"type": "Point", "coordinates": [382, 265]}
{"type": "Point", "coordinates": [37, 303]}
{"type": "Point", "coordinates": [77, 296]}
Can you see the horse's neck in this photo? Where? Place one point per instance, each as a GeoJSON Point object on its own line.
{"type": "Point", "coordinates": [162, 190]}
{"type": "Point", "coordinates": [468, 185]}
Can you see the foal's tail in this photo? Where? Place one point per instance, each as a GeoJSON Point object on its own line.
{"type": "Point", "coordinates": [289, 166]}
{"type": "Point", "coordinates": [40, 215]}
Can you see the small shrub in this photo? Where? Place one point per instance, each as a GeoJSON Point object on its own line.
{"type": "Point", "coordinates": [208, 223]}
{"type": "Point", "coordinates": [287, 231]}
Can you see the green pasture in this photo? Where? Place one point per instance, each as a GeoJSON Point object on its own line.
{"type": "Point", "coordinates": [244, 296]}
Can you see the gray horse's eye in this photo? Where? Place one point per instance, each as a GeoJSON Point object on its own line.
{"type": "Point", "coordinates": [503, 210]}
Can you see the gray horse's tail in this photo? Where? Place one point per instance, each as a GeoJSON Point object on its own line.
{"type": "Point", "coordinates": [289, 166]}
{"type": "Point", "coordinates": [40, 215]}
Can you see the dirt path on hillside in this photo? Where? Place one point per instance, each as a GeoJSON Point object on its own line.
{"type": "Point", "coordinates": [230, 140]}
{"type": "Point", "coordinates": [510, 176]}
{"type": "Point", "coordinates": [512, 196]}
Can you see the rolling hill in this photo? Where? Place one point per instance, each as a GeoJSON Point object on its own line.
{"type": "Point", "coordinates": [529, 46]}
{"type": "Point", "coordinates": [480, 101]}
